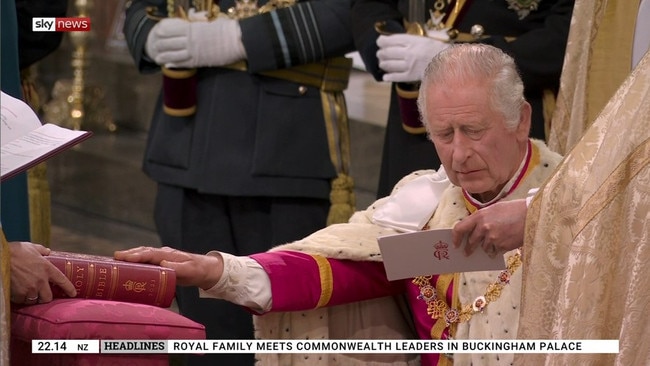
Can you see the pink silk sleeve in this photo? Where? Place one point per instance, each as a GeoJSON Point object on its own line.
{"type": "Point", "coordinates": [301, 281]}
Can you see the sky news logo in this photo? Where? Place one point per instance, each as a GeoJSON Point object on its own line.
{"type": "Point", "coordinates": [75, 24]}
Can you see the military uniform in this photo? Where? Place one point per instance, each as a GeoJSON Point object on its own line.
{"type": "Point", "coordinates": [251, 168]}
{"type": "Point", "coordinates": [538, 49]}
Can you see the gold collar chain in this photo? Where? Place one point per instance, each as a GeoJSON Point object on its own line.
{"type": "Point", "coordinates": [438, 308]}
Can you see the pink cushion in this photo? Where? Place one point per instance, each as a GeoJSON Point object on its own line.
{"type": "Point", "coordinates": [95, 319]}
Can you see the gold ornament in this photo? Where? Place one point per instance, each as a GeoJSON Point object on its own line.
{"type": "Point", "coordinates": [438, 308]}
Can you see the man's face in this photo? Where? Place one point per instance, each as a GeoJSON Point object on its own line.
{"type": "Point", "coordinates": [477, 150]}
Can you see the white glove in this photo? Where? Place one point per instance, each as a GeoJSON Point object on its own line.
{"type": "Point", "coordinates": [175, 42]}
{"type": "Point", "coordinates": [405, 56]}
{"type": "Point", "coordinates": [195, 16]}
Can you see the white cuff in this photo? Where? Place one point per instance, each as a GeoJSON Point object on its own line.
{"type": "Point", "coordinates": [243, 282]}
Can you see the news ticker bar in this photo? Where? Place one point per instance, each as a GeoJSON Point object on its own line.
{"type": "Point", "coordinates": [322, 346]}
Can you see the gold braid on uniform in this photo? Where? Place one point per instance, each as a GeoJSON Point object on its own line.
{"type": "Point", "coordinates": [332, 78]}
{"type": "Point", "coordinates": [342, 199]}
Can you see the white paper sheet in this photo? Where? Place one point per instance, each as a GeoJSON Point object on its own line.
{"type": "Point", "coordinates": [431, 252]}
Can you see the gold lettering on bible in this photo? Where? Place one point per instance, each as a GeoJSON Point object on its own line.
{"type": "Point", "coordinates": [79, 275]}
{"type": "Point", "coordinates": [101, 283]}
{"type": "Point", "coordinates": [134, 286]}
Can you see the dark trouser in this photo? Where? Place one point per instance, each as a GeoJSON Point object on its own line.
{"type": "Point", "coordinates": [199, 223]}
{"type": "Point", "coordinates": [403, 152]}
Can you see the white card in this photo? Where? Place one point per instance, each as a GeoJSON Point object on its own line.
{"type": "Point", "coordinates": [431, 252]}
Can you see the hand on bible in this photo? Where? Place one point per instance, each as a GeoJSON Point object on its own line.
{"type": "Point", "coordinates": [31, 274]}
{"type": "Point", "coordinates": [497, 228]}
{"type": "Point", "coordinates": [199, 270]}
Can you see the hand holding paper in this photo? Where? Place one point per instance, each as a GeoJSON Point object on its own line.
{"type": "Point", "coordinates": [497, 228]}
{"type": "Point", "coordinates": [429, 252]}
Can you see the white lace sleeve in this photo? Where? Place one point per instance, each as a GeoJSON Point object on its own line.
{"type": "Point", "coordinates": [244, 282]}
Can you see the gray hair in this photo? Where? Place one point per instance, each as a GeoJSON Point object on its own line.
{"type": "Point", "coordinates": [469, 61]}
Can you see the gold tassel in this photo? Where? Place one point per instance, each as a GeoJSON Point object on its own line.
{"type": "Point", "coordinates": [342, 200]}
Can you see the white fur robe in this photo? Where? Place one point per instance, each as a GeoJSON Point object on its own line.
{"type": "Point", "coordinates": [389, 318]}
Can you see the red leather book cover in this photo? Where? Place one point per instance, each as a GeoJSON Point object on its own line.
{"type": "Point", "coordinates": [104, 278]}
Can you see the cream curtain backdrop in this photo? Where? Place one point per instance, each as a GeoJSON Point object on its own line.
{"type": "Point", "coordinates": [600, 38]}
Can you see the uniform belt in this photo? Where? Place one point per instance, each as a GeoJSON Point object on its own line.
{"type": "Point", "coordinates": [462, 37]}
{"type": "Point", "coordinates": [331, 75]}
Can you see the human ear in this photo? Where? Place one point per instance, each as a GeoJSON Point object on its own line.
{"type": "Point", "coordinates": [523, 128]}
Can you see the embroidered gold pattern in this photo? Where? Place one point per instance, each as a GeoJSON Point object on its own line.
{"type": "Point", "coordinates": [438, 308]}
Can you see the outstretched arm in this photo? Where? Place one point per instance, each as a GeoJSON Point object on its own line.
{"type": "Point", "coordinates": [273, 281]}
{"type": "Point", "coordinates": [191, 269]}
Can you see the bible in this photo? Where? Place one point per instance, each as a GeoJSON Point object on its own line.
{"type": "Point", "coordinates": [105, 278]}
{"type": "Point", "coordinates": [25, 142]}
